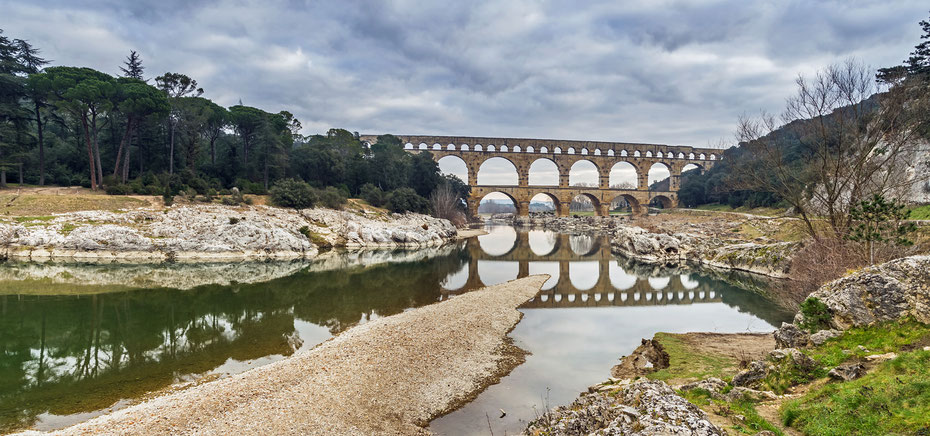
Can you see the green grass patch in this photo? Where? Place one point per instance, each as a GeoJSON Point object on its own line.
{"type": "Point", "coordinates": [690, 363]}
{"type": "Point", "coordinates": [920, 213]}
{"type": "Point", "coordinates": [882, 338]}
{"type": "Point", "coordinates": [892, 399]}
{"type": "Point", "coordinates": [752, 422]}
{"type": "Point", "coordinates": [315, 238]}
{"type": "Point", "coordinates": [67, 228]}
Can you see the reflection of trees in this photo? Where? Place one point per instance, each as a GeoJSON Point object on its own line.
{"type": "Point", "coordinates": [69, 354]}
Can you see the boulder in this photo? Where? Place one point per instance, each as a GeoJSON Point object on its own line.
{"type": "Point", "coordinates": [847, 372]}
{"type": "Point", "coordinates": [791, 336]}
{"type": "Point", "coordinates": [794, 357]}
{"type": "Point", "coordinates": [822, 336]}
{"type": "Point", "coordinates": [893, 290]}
{"type": "Point", "coordinates": [710, 384]}
{"type": "Point", "coordinates": [756, 371]}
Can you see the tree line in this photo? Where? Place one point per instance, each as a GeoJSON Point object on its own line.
{"type": "Point", "coordinates": [65, 125]}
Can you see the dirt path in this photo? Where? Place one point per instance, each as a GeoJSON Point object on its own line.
{"type": "Point", "coordinates": [389, 376]}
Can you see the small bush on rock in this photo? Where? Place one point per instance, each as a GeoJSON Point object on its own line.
{"type": "Point", "coordinates": [331, 197]}
{"type": "Point", "coordinates": [407, 200]}
{"type": "Point", "coordinates": [816, 315]}
{"type": "Point", "coordinates": [293, 193]}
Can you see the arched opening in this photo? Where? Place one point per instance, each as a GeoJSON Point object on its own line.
{"type": "Point", "coordinates": [583, 204]}
{"type": "Point", "coordinates": [690, 155]}
{"type": "Point", "coordinates": [408, 146]}
{"type": "Point", "coordinates": [543, 172]}
{"type": "Point", "coordinates": [437, 147]}
{"type": "Point", "coordinates": [495, 272]}
{"type": "Point", "coordinates": [571, 150]}
{"type": "Point", "coordinates": [543, 150]}
{"type": "Point", "coordinates": [610, 152]}
{"type": "Point", "coordinates": [619, 278]}
{"type": "Point", "coordinates": [636, 153]}
{"type": "Point", "coordinates": [660, 202]}
{"type": "Point", "coordinates": [454, 166]}
{"type": "Point", "coordinates": [648, 153]}
{"type": "Point", "coordinates": [423, 146]}
{"type": "Point", "coordinates": [584, 151]}
{"type": "Point", "coordinates": [450, 147]}
{"type": "Point", "coordinates": [713, 157]}
{"type": "Point", "coordinates": [530, 149]}
{"type": "Point", "coordinates": [491, 148]}
{"type": "Point", "coordinates": [543, 242]}
{"type": "Point", "coordinates": [456, 280]}
{"type": "Point", "coordinates": [681, 155]}
{"type": "Point", "coordinates": [558, 150]}
{"type": "Point", "coordinates": [499, 241]}
{"type": "Point", "coordinates": [687, 282]}
{"type": "Point", "coordinates": [623, 176]}
{"type": "Point", "coordinates": [504, 148]}
{"type": "Point", "coordinates": [623, 205]}
{"type": "Point", "coordinates": [658, 282]}
{"type": "Point", "coordinates": [496, 202]}
{"type": "Point", "coordinates": [623, 153]}
{"type": "Point", "coordinates": [583, 275]}
{"type": "Point", "coordinates": [701, 156]}
{"type": "Point", "coordinates": [583, 245]}
{"type": "Point", "coordinates": [583, 173]}
{"type": "Point", "coordinates": [659, 177]}
{"type": "Point", "coordinates": [478, 147]}
{"type": "Point", "coordinates": [597, 151]}
{"type": "Point", "coordinates": [544, 204]}
{"type": "Point", "coordinates": [551, 268]}
{"type": "Point", "coordinates": [464, 147]}
{"type": "Point", "coordinates": [497, 171]}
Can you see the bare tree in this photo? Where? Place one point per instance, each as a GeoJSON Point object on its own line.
{"type": "Point", "coordinates": [843, 140]}
{"type": "Point", "coordinates": [446, 204]}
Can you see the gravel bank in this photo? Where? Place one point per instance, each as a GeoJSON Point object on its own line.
{"type": "Point", "coordinates": [389, 376]}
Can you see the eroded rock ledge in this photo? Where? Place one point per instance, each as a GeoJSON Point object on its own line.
{"type": "Point", "coordinates": [213, 232]}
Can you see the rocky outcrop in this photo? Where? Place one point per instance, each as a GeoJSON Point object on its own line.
{"type": "Point", "coordinates": [643, 407]}
{"type": "Point", "coordinates": [213, 232]}
{"type": "Point", "coordinates": [847, 372]}
{"type": "Point", "coordinates": [890, 291]}
{"type": "Point", "coordinates": [767, 259]}
{"type": "Point", "coordinates": [647, 358]}
{"type": "Point", "coordinates": [791, 336]}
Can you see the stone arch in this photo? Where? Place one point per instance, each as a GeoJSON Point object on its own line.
{"type": "Point", "coordinates": [423, 146]}
{"type": "Point", "coordinates": [681, 155]}
{"type": "Point", "coordinates": [408, 146]}
{"type": "Point", "coordinates": [454, 165]}
{"type": "Point", "coordinates": [478, 147]}
{"type": "Point", "coordinates": [500, 165]}
{"type": "Point", "coordinates": [610, 152]}
{"type": "Point", "coordinates": [437, 147]}
{"type": "Point", "coordinates": [657, 173]}
{"type": "Point", "coordinates": [661, 201]}
{"type": "Point", "coordinates": [543, 172]}
{"type": "Point", "coordinates": [491, 148]}
{"type": "Point", "coordinates": [450, 147]}
{"type": "Point", "coordinates": [583, 276]}
{"type": "Point", "coordinates": [648, 153]}
{"type": "Point", "coordinates": [690, 155]}
{"type": "Point", "coordinates": [584, 172]}
{"type": "Point", "coordinates": [484, 201]}
{"type": "Point", "coordinates": [624, 203]}
{"type": "Point", "coordinates": [584, 151]}
{"type": "Point", "coordinates": [636, 153]}
{"type": "Point", "coordinates": [571, 150]}
{"type": "Point", "coordinates": [535, 197]}
{"type": "Point", "coordinates": [530, 149]}
{"type": "Point", "coordinates": [623, 153]}
{"type": "Point", "coordinates": [584, 244]}
{"type": "Point", "coordinates": [692, 166]}
{"type": "Point", "coordinates": [713, 156]}
{"type": "Point", "coordinates": [464, 147]}
{"type": "Point", "coordinates": [623, 175]}
{"type": "Point", "coordinates": [457, 280]}
{"type": "Point", "coordinates": [557, 150]}
{"type": "Point", "coordinates": [597, 151]}
{"type": "Point", "coordinates": [702, 156]}
{"type": "Point", "coordinates": [593, 200]}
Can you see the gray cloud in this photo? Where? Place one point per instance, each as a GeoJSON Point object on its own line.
{"type": "Point", "coordinates": [650, 71]}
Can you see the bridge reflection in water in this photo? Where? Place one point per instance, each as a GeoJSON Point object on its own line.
{"type": "Point", "coordinates": [583, 272]}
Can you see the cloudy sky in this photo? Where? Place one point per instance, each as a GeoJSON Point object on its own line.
{"type": "Point", "coordinates": [672, 72]}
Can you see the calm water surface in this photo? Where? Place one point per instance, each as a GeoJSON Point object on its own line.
{"type": "Point", "coordinates": [67, 358]}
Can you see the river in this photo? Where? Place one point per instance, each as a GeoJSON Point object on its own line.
{"type": "Point", "coordinates": [70, 350]}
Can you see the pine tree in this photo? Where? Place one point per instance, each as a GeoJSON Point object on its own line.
{"type": "Point", "coordinates": [32, 62]}
{"type": "Point", "coordinates": [133, 68]}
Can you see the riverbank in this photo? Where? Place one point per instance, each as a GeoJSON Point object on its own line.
{"type": "Point", "coordinates": [213, 232]}
{"type": "Point", "coordinates": [388, 376]}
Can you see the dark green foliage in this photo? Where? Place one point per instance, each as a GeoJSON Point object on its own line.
{"type": "Point", "coordinates": [233, 220]}
{"type": "Point", "coordinates": [407, 200]}
{"type": "Point", "coordinates": [119, 189]}
{"type": "Point", "coordinates": [880, 220]}
{"type": "Point", "coordinates": [373, 195]}
{"type": "Point", "coordinates": [331, 197]}
{"type": "Point", "coordinates": [816, 315]}
{"type": "Point", "coordinates": [293, 193]}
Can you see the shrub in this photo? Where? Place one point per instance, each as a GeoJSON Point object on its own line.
{"type": "Point", "coordinates": [373, 195]}
{"type": "Point", "coordinates": [407, 200]}
{"type": "Point", "coordinates": [233, 220]}
{"type": "Point", "coordinates": [444, 203]}
{"type": "Point", "coordinates": [167, 198]}
{"type": "Point", "coordinates": [331, 197]}
{"type": "Point", "coordinates": [293, 193]}
{"type": "Point", "coordinates": [248, 187]}
{"type": "Point", "coordinates": [816, 315]}
{"type": "Point", "coordinates": [118, 189]}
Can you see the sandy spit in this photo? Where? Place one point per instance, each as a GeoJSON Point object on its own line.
{"type": "Point", "coordinates": [470, 233]}
{"type": "Point", "coordinates": [389, 376]}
